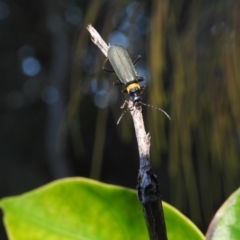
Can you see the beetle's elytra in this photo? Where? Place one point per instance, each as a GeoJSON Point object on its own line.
{"type": "Point", "coordinates": [122, 65]}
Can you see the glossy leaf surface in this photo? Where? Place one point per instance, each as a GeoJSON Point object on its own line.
{"type": "Point", "coordinates": [226, 223]}
{"type": "Point", "coordinates": [78, 208]}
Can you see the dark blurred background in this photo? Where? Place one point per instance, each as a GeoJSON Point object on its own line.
{"type": "Point", "coordinates": [58, 109]}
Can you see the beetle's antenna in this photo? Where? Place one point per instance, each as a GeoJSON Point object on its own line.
{"type": "Point", "coordinates": [148, 105]}
{"type": "Point", "coordinates": [122, 116]}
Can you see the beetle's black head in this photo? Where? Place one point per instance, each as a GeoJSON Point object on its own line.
{"type": "Point", "coordinates": [135, 95]}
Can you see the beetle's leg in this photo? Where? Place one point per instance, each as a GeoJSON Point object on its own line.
{"type": "Point", "coordinates": [142, 89]}
{"type": "Point", "coordinates": [118, 83]}
{"type": "Point", "coordinates": [125, 100]}
{"type": "Point", "coordinates": [107, 70]}
{"type": "Point", "coordinates": [140, 78]}
{"type": "Point", "coordinates": [123, 106]}
{"type": "Point", "coordinates": [107, 66]}
{"type": "Point", "coordinates": [136, 59]}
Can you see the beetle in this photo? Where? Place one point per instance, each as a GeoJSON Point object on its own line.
{"type": "Point", "coordinates": [122, 65]}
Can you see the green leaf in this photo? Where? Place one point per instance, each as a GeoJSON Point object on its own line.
{"type": "Point", "coordinates": [78, 208]}
{"type": "Point", "coordinates": [226, 223]}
